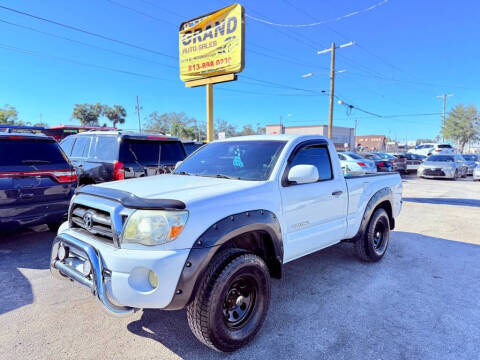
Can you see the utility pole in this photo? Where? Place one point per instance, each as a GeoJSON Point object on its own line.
{"type": "Point", "coordinates": [332, 82]}
{"type": "Point", "coordinates": [355, 136]}
{"type": "Point", "coordinates": [444, 97]}
{"type": "Point", "coordinates": [332, 94]}
{"type": "Point", "coordinates": [138, 108]}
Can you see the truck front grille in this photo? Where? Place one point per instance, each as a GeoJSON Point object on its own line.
{"type": "Point", "coordinates": [95, 221]}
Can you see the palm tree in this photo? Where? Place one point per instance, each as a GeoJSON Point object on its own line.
{"type": "Point", "coordinates": [116, 115]}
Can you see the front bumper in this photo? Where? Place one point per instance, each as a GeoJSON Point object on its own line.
{"type": "Point", "coordinates": [95, 281]}
{"type": "Point", "coordinates": [436, 173]}
{"type": "Point", "coordinates": [119, 278]}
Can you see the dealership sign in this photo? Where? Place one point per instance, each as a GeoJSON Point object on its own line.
{"type": "Point", "coordinates": [213, 44]}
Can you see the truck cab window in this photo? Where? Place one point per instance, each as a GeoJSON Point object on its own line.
{"type": "Point", "coordinates": [316, 155]}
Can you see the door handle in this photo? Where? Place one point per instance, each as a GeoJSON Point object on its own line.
{"type": "Point", "coordinates": [337, 193]}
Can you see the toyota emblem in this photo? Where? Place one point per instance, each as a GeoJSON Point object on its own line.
{"type": "Point", "coordinates": [88, 220]}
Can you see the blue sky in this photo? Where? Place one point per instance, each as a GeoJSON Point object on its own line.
{"type": "Point", "coordinates": [408, 52]}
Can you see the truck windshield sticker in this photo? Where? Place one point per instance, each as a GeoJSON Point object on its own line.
{"type": "Point", "coordinates": [237, 160]}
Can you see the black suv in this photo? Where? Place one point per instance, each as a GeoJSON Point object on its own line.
{"type": "Point", "coordinates": [100, 156]}
{"type": "Point", "coordinates": [37, 181]}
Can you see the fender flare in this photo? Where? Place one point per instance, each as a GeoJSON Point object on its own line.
{"type": "Point", "coordinates": [380, 196]}
{"type": "Point", "coordinates": [208, 244]}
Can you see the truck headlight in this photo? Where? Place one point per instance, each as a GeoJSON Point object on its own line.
{"type": "Point", "coordinates": [154, 227]}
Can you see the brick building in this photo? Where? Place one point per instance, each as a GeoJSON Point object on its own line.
{"type": "Point", "coordinates": [371, 142]}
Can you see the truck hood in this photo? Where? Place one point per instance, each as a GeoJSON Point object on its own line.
{"type": "Point", "coordinates": [186, 188]}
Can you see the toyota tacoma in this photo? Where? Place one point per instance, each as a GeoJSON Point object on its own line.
{"type": "Point", "coordinates": [210, 236]}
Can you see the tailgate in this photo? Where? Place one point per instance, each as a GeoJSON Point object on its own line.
{"type": "Point", "coordinates": [35, 171]}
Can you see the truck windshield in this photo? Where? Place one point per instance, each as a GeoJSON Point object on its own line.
{"type": "Point", "coordinates": [244, 160]}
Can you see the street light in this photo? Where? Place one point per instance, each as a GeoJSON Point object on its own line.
{"type": "Point", "coordinates": [307, 75]}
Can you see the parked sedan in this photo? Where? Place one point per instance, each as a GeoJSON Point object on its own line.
{"type": "Point", "coordinates": [382, 164]}
{"type": "Point", "coordinates": [399, 163]}
{"type": "Point", "coordinates": [440, 166]}
{"type": "Point", "coordinates": [352, 163]}
{"type": "Point", "coordinates": [413, 162]}
{"type": "Point", "coordinates": [476, 173]}
{"type": "Point", "coordinates": [472, 161]}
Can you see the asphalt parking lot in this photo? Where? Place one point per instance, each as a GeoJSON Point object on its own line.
{"type": "Point", "coordinates": [420, 302]}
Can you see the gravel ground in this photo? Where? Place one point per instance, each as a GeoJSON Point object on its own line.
{"type": "Point", "coordinates": [420, 302]}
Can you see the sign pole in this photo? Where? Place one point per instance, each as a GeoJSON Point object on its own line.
{"type": "Point", "coordinates": [212, 51]}
{"type": "Point", "coordinates": [210, 127]}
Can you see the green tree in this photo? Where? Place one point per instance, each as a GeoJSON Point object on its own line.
{"type": "Point", "coordinates": [176, 124]}
{"type": "Point", "coordinates": [88, 114]}
{"type": "Point", "coordinates": [224, 126]}
{"type": "Point", "coordinates": [115, 114]}
{"type": "Point", "coordinates": [462, 125]}
{"type": "Point", "coordinates": [8, 115]}
{"type": "Point", "coordinates": [247, 130]}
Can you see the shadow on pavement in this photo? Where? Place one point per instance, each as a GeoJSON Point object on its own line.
{"type": "Point", "coordinates": [444, 201]}
{"type": "Point", "coordinates": [25, 249]}
{"type": "Point", "coordinates": [420, 301]}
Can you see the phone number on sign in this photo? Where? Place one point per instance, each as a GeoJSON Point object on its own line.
{"type": "Point", "coordinates": [210, 64]}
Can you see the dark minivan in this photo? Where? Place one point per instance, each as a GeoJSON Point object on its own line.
{"type": "Point", "coordinates": [100, 156]}
{"type": "Point", "coordinates": [37, 181]}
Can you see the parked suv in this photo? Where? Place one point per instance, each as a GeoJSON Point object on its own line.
{"type": "Point", "coordinates": [100, 156]}
{"type": "Point", "coordinates": [37, 181]}
{"type": "Point", "coordinates": [442, 149]}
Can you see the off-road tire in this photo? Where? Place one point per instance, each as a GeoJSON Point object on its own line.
{"type": "Point", "coordinates": [206, 313]}
{"type": "Point", "coordinates": [371, 248]}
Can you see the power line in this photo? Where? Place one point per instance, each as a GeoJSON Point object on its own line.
{"type": "Point", "coordinates": [140, 12]}
{"type": "Point", "coordinates": [36, 53]}
{"type": "Point", "coordinates": [270, 56]}
{"type": "Point", "coordinates": [338, 18]}
{"type": "Point", "coordinates": [395, 116]}
{"type": "Point", "coordinates": [283, 85]}
{"type": "Point", "coordinates": [87, 44]}
{"type": "Point", "coordinates": [162, 8]}
{"type": "Point", "coordinates": [126, 43]}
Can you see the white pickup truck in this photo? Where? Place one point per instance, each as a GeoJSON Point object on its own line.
{"type": "Point", "coordinates": [210, 236]}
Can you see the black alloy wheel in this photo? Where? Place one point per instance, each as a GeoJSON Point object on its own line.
{"type": "Point", "coordinates": [374, 242]}
{"type": "Point", "coordinates": [240, 302]}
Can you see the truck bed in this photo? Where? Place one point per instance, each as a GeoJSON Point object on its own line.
{"type": "Point", "coordinates": [363, 187]}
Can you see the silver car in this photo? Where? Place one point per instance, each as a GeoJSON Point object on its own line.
{"type": "Point", "coordinates": [472, 161]}
{"type": "Point", "coordinates": [476, 173]}
{"type": "Point", "coordinates": [353, 164]}
{"type": "Point", "coordinates": [441, 166]}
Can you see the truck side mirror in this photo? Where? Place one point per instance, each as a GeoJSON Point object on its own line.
{"type": "Point", "coordinates": [303, 174]}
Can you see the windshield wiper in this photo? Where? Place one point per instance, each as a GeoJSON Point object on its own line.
{"type": "Point", "coordinates": [36, 162]}
{"type": "Point", "coordinates": [223, 176]}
